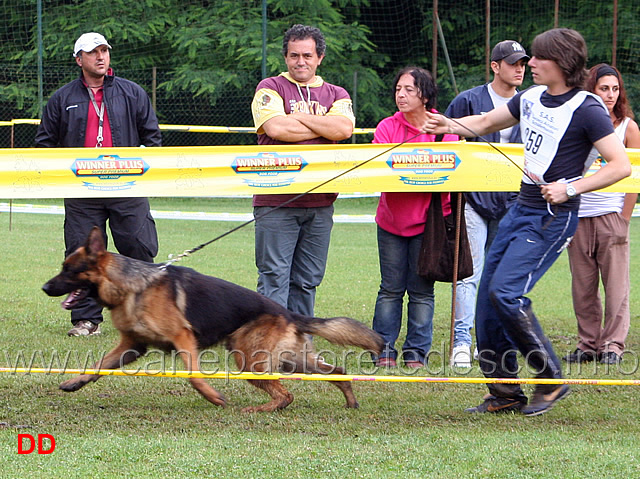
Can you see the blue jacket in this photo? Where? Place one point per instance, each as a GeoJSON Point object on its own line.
{"type": "Point", "coordinates": [476, 101]}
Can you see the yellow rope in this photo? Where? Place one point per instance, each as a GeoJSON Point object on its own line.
{"type": "Point", "coordinates": [324, 377]}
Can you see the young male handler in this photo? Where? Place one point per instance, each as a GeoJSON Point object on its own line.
{"type": "Point", "coordinates": [560, 125]}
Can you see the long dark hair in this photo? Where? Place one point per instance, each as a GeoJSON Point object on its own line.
{"type": "Point", "coordinates": [422, 79]}
{"type": "Point", "coordinates": [568, 49]}
{"type": "Point", "coordinates": [621, 109]}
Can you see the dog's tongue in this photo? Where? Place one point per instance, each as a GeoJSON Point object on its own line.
{"type": "Point", "coordinates": [72, 299]}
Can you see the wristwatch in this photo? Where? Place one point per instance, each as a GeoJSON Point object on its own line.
{"type": "Point", "coordinates": [571, 191]}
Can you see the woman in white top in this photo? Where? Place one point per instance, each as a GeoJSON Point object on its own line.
{"type": "Point", "coordinates": [600, 247]}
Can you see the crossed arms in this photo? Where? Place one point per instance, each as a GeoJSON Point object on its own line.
{"type": "Point", "coordinates": [297, 127]}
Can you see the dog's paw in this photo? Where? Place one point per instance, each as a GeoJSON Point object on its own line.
{"type": "Point", "coordinates": [353, 405]}
{"type": "Point", "coordinates": [215, 398]}
{"type": "Point", "coordinates": [72, 385]}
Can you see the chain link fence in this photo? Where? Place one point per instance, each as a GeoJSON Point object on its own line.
{"type": "Point", "coordinates": [36, 58]}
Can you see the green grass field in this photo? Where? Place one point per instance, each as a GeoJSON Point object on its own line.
{"type": "Point", "coordinates": [146, 427]}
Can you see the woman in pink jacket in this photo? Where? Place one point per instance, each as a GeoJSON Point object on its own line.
{"type": "Point", "coordinates": [401, 220]}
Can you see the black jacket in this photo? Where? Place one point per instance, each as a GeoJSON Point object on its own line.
{"type": "Point", "coordinates": [129, 111]}
{"type": "Point", "coordinates": [477, 101]}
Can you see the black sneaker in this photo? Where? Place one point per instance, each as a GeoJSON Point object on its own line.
{"type": "Point", "coordinates": [494, 404]}
{"type": "Point", "coordinates": [610, 358]}
{"type": "Point", "coordinates": [580, 356]}
{"type": "Point", "coordinates": [544, 398]}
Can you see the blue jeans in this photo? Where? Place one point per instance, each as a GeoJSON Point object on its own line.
{"type": "Point", "coordinates": [528, 242]}
{"type": "Point", "coordinates": [291, 247]}
{"type": "Point", "coordinates": [398, 266]}
{"type": "Point", "coordinates": [481, 233]}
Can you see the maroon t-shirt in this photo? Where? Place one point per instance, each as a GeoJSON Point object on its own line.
{"type": "Point", "coordinates": [281, 95]}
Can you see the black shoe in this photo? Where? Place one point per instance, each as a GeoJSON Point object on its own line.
{"type": "Point", "coordinates": [610, 358]}
{"type": "Point", "coordinates": [580, 356]}
{"type": "Point", "coordinates": [544, 398]}
{"type": "Point", "coordinates": [493, 404]}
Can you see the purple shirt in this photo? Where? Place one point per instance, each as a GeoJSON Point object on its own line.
{"type": "Point", "coordinates": [280, 96]}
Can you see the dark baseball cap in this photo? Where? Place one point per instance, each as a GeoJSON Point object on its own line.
{"type": "Point", "coordinates": [509, 51]}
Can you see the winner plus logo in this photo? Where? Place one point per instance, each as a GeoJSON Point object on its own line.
{"type": "Point", "coordinates": [267, 166]}
{"type": "Point", "coordinates": [426, 165]}
{"type": "Point", "coordinates": [268, 163]}
{"type": "Point", "coordinates": [107, 168]}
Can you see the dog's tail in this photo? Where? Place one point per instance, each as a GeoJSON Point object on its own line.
{"type": "Point", "coordinates": [343, 331]}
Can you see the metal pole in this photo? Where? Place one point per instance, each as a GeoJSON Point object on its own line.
{"type": "Point", "coordinates": [264, 38]}
{"type": "Point", "coordinates": [556, 9]}
{"type": "Point", "coordinates": [354, 99]}
{"type": "Point", "coordinates": [40, 81]}
{"type": "Point", "coordinates": [446, 56]}
{"type": "Point", "coordinates": [154, 84]}
{"type": "Point", "coordinates": [487, 41]}
{"type": "Point", "coordinates": [13, 135]}
{"type": "Point", "coordinates": [454, 281]}
{"type": "Point", "coordinates": [614, 45]}
{"type": "Point", "coordinates": [434, 42]}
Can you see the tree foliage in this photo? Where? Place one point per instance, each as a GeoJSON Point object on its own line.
{"type": "Point", "coordinates": [205, 49]}
{"type": "Point", "coordinates": [209, 52]}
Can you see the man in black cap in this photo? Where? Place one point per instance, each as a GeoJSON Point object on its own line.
{"type": "Point", "coordinates": [483, 211]}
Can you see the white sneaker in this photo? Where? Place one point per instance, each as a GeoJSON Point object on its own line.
{"type": "Point", "coordinates": [461, 356]}
{"type": "Point", "coordinates": [475, 353]}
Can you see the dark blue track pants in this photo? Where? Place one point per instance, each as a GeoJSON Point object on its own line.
{"type": "Point", "coordinates": [528, 242]}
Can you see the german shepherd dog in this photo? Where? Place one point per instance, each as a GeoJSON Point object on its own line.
{"type": "Point", "coordinates": [178, 309]}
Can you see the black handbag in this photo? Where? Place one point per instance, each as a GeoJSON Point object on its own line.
{"type": "Point", "coordinates": [438, 249]}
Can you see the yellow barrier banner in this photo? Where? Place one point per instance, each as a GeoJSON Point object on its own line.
{"type": "Point", "coordinates": [246, 170]}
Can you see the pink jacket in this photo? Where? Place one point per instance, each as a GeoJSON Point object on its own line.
{"type": "Point", "coordinates": [404, 214]}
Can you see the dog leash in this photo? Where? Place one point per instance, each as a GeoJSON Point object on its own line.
{"type": "Point", "coordinates": [492, 145]}
{"type": "Point", "coordinates": [173, 259]}
{"type": "Point", "coordinates": [550, 207]}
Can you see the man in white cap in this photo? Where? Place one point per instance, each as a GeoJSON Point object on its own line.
{"type": "Point", "coordinates": [101, 110]}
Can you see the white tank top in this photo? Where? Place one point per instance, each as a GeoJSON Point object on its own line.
{"type": "Point", "coordinates": [597, 203]}
{"type": "Point", "coordinates": [547, 127]}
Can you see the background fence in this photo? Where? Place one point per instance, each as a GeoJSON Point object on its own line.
{"type": "Point", "coordinates": [200, 60]}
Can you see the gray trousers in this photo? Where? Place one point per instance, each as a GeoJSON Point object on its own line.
{"type": "Point", "coordinates": [291, 247]}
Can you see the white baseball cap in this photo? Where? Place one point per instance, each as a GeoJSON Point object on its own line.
{"type": "Point", "coordinates": [88, 41]}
